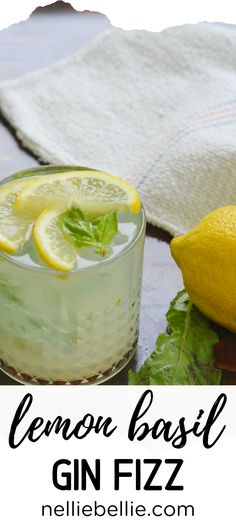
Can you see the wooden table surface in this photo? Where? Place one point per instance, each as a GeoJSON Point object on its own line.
{"type": "Point", "coordinates": [51, 34]}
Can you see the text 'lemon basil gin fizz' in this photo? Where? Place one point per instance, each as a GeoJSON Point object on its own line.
{"type": "Point", "coordinates": [71, 252]}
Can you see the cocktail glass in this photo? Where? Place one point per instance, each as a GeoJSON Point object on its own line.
{"type": "Point", "coordinates": [75, 328]}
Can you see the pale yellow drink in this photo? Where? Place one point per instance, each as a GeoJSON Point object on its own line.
{"type": "Point", "coordinates": [80, 326]}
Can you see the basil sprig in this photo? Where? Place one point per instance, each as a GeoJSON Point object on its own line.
{"type": "Point", "coordinates": [184, 355]}
{"type": "Point", "coordinates": [93, 233]}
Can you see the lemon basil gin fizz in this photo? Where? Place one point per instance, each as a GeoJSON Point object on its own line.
{"type": "Point", "coordinates": [71, 252]}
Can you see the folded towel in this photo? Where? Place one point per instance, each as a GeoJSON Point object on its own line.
{"type": "Point", "coordinates": [158, 109]}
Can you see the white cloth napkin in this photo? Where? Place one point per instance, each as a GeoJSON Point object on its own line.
{"type": "Point", "coordinates": [158, 109]}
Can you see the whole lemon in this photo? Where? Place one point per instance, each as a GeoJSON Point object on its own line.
{"type": "Point", "coordinates": [207, 257]}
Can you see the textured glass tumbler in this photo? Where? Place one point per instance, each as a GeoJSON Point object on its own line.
{"type": "Point", "coordinates": [75, 328]}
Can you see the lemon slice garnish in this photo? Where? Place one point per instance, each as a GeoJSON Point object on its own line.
{"type": "Point", "coordinates": [54, 249]}
{"type": "Point", "coordinates": [91, 191]}
{"type": "Point", "coordinates": [14, 230]}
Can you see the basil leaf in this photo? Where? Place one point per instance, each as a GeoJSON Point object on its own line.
{"type": "Point", "coordinates": [81, 229]}
{"type": "Point", "coordinates": [79, 239]}
{"type": "Point", "coordinates": [107, 228]}
{"type": "Point", "coordinates": [83, 232]}
{"type": "Point", "coordinates": [184, 355]}
{"type": "Point", "coordinates": [73, 215]}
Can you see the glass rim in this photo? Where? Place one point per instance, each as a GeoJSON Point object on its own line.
{"type": "Point", "coordinates": [48, 270]}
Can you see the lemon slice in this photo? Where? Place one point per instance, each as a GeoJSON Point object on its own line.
{"type": "Point", "coordinates": [91, 191]}
{"type": "Point", "coordinates": [14, 230]}
{"type": "Point", "coordinates": [54, 249]}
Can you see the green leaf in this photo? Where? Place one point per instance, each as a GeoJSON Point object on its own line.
{"type": "Point", "coordinates": [184, 355]}
{"type": "Point", "coordinates": [73, 215]}
{"type": "Point", "coordinates": [106, 228]}
{"type": "Point", "coordinates": [83, 232]}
